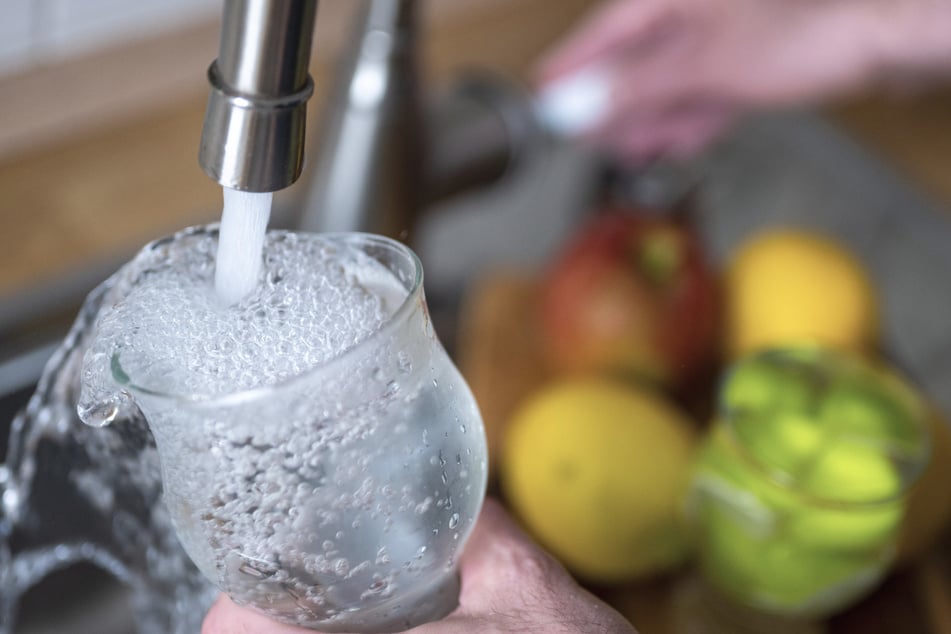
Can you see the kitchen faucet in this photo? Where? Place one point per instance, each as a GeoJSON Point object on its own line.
{"type": "Point", "coordinates": [382, 154]}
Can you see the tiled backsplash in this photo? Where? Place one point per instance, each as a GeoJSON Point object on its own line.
{"type": "Point", "coordinates": [39, 31]}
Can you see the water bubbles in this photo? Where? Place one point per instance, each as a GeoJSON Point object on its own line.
{"type": "Point", "coordinates": [378, 586]}
{"type": "Point", "coordinates": [424, 506]}
{"type": "Point", "coordinates": [322, 307]}
{"type": "Point", "coordinates": [454, 520]}
{"type": "Point", "coordinates": [403, 363]}
{"type": "Point", "coordinates": [341, 567]}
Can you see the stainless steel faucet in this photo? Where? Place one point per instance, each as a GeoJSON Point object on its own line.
{"type": "Point", "coordinates": [383, 154]}
{"type": "Point", "coordinates": [253, 135]}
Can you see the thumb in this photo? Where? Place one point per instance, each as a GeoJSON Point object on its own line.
{"type": "Point", "coordinates": [499, 557]}
{"type": "Point", "coordinates": [225, 617]}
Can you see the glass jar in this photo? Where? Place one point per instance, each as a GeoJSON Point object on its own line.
{"type": "Point", "coordinates": [339, 498]}
{"type": "Point", "coordinates": [800, 491]}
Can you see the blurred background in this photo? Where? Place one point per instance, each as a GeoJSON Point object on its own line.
{"type": "Point", "coordinates": [101, 107]}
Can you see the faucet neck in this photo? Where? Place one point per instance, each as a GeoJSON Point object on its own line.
{"type": "Point", "coordinates": [253, 135]}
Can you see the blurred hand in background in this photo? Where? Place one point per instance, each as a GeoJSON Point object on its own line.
{"type": "Point", "coordinates": [680, 71]}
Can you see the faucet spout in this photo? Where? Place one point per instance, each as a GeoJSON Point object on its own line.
{"type": "Point", "coordinates": [253, 135]}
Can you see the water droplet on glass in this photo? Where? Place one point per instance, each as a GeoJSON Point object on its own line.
{"type": "Point", "coordinates": [403, 363]}
{"type": "Point", "coordinates": [423, 506]}
{"type": "Point", "coordinates": [454, 520]}
{"type": "Point", "coordinates": [341, 567]}
{"type": "Point", "coordinates": [444, 478]}
{"type": "Point", "coordinates": [462, 428]}
{"type": "Point", "coordinates": [99, 414]}
{"type": "Point", "coordinates": [378, 585]}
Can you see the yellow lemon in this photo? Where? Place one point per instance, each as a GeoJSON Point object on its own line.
{"type": "Point", "coordinates": [787, 286]}
{"type": "Point", "coordinates": [597, 471]}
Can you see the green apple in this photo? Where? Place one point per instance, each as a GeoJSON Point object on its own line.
{"type": "Point", "coordinates": [781, 442]}
{"type": "Point", "coordinates": [876, 407]}
{"type": "Point", "coordinates": [852, 472]}
{"type": "Point", "coordinates": [857, 529]}
{"type": "Point", "coordinates": [771, 381]}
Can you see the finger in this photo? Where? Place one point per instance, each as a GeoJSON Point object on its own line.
{"type": "Point", "coordinates": [227, 618]}
{"type": "Point", "coordinates": [616, 26]}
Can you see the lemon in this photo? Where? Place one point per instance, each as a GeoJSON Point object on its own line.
{"type": "Point", "coordinates": [787, 286]}
{"type": "Point", "coordinates": [597, 471]}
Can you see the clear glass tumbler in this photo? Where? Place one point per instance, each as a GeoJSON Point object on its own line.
{"type": "Point", "coordinates": [801, 490]}
{"type": "Point", "coordinates": [341, 498]}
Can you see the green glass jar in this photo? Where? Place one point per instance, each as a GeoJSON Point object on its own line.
{"type": "Point", "coordinates": [800, 490]}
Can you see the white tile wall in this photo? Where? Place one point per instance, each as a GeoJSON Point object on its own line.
{"type": "Point", "coordinates": [35, 31]}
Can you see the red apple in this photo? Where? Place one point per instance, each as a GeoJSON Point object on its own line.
{"type": "Point", "coordinates": [631, 293]}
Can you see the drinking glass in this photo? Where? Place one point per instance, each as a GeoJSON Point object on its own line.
{"type": "Point", "coordinates": [338, 499]}
{"type": "Point", "coordinates": [801, 489]}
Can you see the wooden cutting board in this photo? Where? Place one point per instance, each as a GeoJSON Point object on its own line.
{"type": "Point", "coordinates": [500, 354]}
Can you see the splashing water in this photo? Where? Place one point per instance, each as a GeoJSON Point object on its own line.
{"type": "Point", "coordinates": [71, 493]}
